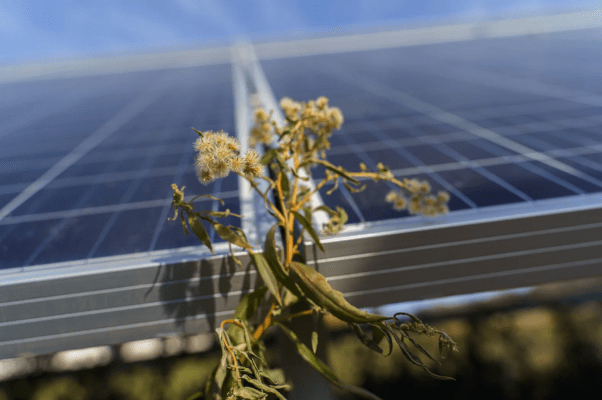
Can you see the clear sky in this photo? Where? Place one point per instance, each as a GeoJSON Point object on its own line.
{"type": "Point", "coordinates": [36, 29]}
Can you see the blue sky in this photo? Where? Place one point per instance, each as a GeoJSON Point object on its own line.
{"type": "Point", "coordinates": [37, 29]}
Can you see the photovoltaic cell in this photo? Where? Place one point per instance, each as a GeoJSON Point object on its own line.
{"type": "Point", "coordinates": [114, 199]}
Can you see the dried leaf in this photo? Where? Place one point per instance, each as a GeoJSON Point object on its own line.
{"type": "Point", "coordinates": [199, 230]}
{"type": "Point", "coordinates": [249, 393]}
{"type": "Point", "coordinates": [369, 342]}
{"type": "Point", "coordinates": [228, 234]}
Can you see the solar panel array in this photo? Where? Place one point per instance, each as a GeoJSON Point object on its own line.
{"type": "Point", "coordinates": [509, 126]}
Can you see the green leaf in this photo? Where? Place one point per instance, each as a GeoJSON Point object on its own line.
{"type": "Point", "coordinates": [315, 286]}
{"type": "Point", "coordinates": [284, 184]}
{"type": "Point", "coordinates": [322, 368]}
{"type": "Point", "coordinates": [314, 341]}
{"type": "Point", "coordinates": [269, 155]}
{"type": "Point", "coordinates": [199, 132]}
{"type": "Point", "coordinates": [249, 303]}
{"type": "Point", "coordinates": [276, 266]}
{"type": "Point", "coordinates": [199, 230]}
{"type": "Point", "coordinates": [228, 234]}
{"type": "Point", "coordinates": [338, 171]}
{"type": "Point", "coordinates": [309, 228]}
{"type": "Point", "coordinates": [266, 274]}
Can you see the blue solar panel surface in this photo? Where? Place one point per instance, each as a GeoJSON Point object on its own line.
{"type": "Point", "coordinates": [492, 121]}
{"type": "Point", "coordinates": [114, 196]}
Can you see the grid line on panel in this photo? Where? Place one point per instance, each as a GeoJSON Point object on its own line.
{"type": "Point", "coordinates": [149, 160]}
{"type": "Point", "coordinates": [125, 198]}
{"type": "Point", "coordinates": [138, 205]}
{"type": "Point", "coordinates": [92, 188]}
{"type": "Point", "coordinates": [475, 167]}
{"type": "Point", "coordinates": [402, 151]}
{"type": "Point", "coordinates": [543, 173]}
{"type": "Point", "coordinates": [444, 148]}
{"type": "Point", "coordinates": [404, 99]}
{"type": "Point", "coordinates": [511, 159]}
{"type": "Point", "coordinates": [524, 85]}
{"type": "Point", "coordinates": [136, 106]}
{"type": "Point", "coordinates": [183, 165]}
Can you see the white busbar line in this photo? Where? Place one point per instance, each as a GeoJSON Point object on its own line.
{"type": "Point", "coordinates": [107, 129]}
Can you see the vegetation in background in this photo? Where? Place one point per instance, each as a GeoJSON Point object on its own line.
{"type": "Point", "coordinates": [564, 360]}
{"type": "Point", "coordinates": [243, 372]}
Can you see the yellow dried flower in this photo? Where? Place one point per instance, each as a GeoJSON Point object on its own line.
{"type": "Point", "coordinates": [429, 200]}
{"type": "Point", "coordinates": [442, 197]}
{"type": "Point", "coordinates": [414, 206]}
{"type": "Point", "coordinates": [429, 211]}
{"type": "Point", "coordinates": [322, 102]}
{"type": "Point", "coordinates": [400, 203]}
{"type": "Point", "coordinates": [252, 166]}
{"type": "Point", "coordinates": [216, 151]}
{"type": "Point", "coordinates": [424, 187]}
{"type": "Point", "coordinates": [335, 116]}
{"type": "Point", "coordinates": [391, 197]}
{"type": "Point", "coordinates": [205, 176]}
{"type": "Point", "coordinates": [442, 209]}
{"type": "Point", "coordinates": [261, 115]}
{"type": "Point", "coordinates": [237, 164]}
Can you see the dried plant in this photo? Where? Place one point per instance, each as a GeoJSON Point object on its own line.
{"type": "Point", "coordinates": [301, 144]}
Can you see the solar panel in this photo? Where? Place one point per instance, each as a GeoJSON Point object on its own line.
{"type": "Point", "coordinates": [100, 176]}
{"type": "Point", "coordinates": [486, 120]}
{"type": "Point", "coordinates": [88, 258]}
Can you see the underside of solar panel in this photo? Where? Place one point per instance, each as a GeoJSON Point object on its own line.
{"type": "Point", "coordinates": [506, 116]}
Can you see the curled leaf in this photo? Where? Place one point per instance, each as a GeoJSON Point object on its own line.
{"type": "Point", "coordinates": [199, 230]}
{"type": "Point", "coordinates": [315, 286]}
{"type": "Point", "coordinates": [229, 235]}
